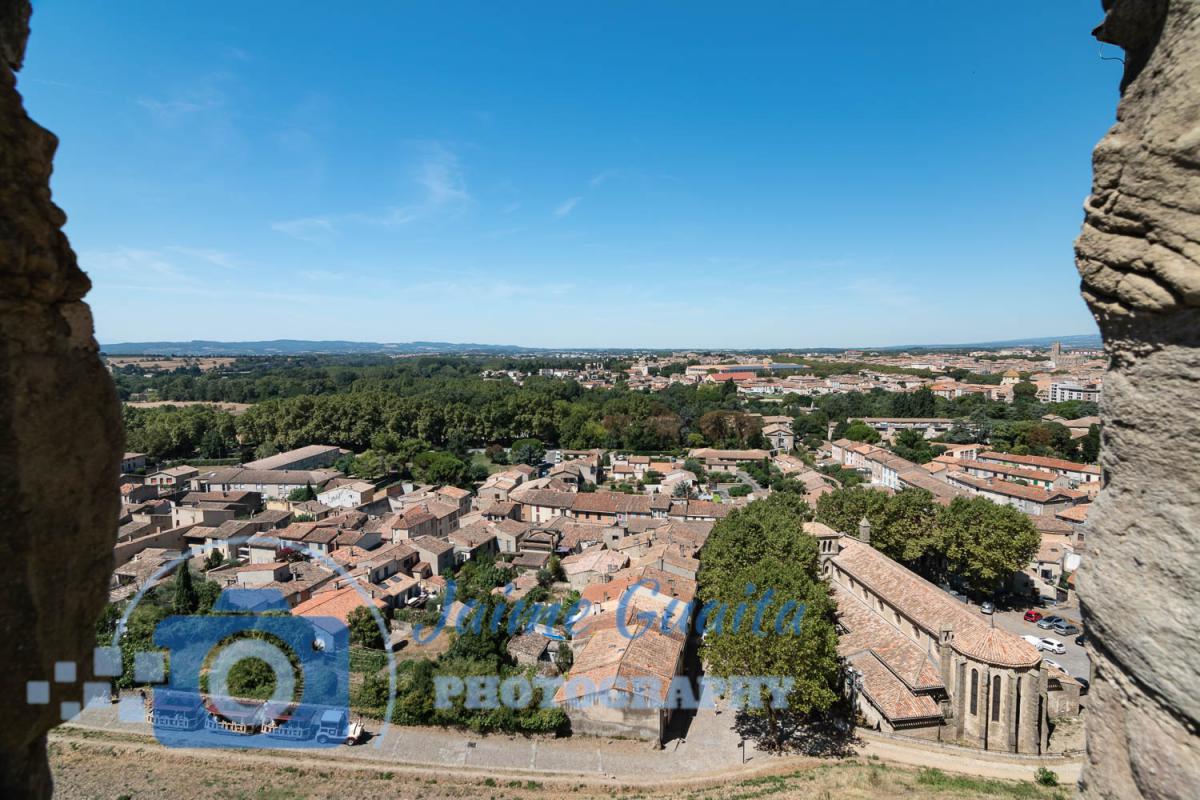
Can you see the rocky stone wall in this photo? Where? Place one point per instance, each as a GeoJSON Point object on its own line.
{"type": "Point", "coordinates": [1139, 257]}
{"type": "Point", "coordinates": [60, 441]}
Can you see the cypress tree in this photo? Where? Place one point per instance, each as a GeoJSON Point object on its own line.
{"type": "Point", "coordinates": [186, 599]}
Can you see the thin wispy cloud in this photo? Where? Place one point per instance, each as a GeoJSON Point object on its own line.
{"type": "Point", "coordinates": [480, 285]}
{"type": "Point", "coordinates": [214, 257]}
{"type": "Point", "coordinates": [130, 261]}
{"type": "Point", "coordinates": [306, 229]}
{"type": "Point", "coordinates": [602, 177]}
{"type": "Point", "coordinates": [442, 189]}
{"type": "Point", "coordinates": [321, 275]}
{"type": "Point", "coordinates": [174, 109]}
{"type": "Point", "coordinates": [567, 206]}
{"type": "Point", "coordinates": [441, 175]}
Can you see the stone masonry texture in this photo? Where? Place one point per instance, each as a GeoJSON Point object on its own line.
{"type": "Point", "coordinates": [1139, 257]}
{"type": "Point", "coordinates": [60, 441]}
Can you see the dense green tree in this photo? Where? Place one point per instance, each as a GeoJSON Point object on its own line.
{"type": "Point", "coordinates": [302, 494]}
{"type": "Point", "coordinates": [921, 403]}
{"type": "Point", "coordinates": [1089, 445]}
{"type": "Point", "coordinates": [904, 527]}
{"type": "Point", "coordinates": [527, 451]}
{"type": "Point", "coordinates": [912, 445]}
{"type": "Point", "coordinates": [186, 600]}
{"type": "Point", "coordinates": [364, 628]}
{"type": "Point", "coordinates": [761, 550]}
{"type": "Point", "coordinates": [251, 678]}
{"type": "Point", "coordinates": [731, 429]}
{"type": "Point", "coordinates": [138, 638]}
{"type": "Point", "coordinates": [984, 542]}
{"type": "Point", "coordinates": [440, 468]}
{"type": "Point", "coordinates": [1025, 392]}
{"type": "Point", "coordinates": [859, 431]}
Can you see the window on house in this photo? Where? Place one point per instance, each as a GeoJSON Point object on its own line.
{"type": "Point", "coordinates": [974, 692]}
{"type": "Point", "coordinates": [996, 699]}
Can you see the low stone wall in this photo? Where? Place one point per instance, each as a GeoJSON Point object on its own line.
{"type": "Point", "coordinates": [971, 752]}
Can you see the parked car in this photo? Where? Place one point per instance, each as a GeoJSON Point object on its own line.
{"type": "Point", "coordinates": [1081, 639]}
{"type": "Point", "coordinates": [1032, 616]}
{"type": "Point", "coordinates": [1046, 623]}
{"type": "Point", "coordinates": [1036, 641]}
{"type": "Point", "coordinates": [1056, 665]}
{"type": "Point", "coordinates": [959, 596]}
{"type": "Point", "coordinates": [1052, 645]}
{"type": "Point", "coordinates": [987, 607]}
{"type": "Point", "coordinates": [1065, 628]}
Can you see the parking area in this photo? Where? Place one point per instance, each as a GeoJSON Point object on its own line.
{"type": "Point", "coordinates": [1075, 659]}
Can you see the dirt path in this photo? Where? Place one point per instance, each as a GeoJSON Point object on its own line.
{"type": "Point", "coordinates": [94, 764]}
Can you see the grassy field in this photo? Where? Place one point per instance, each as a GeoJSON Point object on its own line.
{"type": "Point", "coordinates": [96, 766]}
{"type": "Point", "coordinates": [492, 468]}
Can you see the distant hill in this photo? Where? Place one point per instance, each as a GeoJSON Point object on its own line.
{"type": "Point", "coordinates": [1087, 341]}
{"type": "Point", "coordinates": [283, 347]}
{"type": "Point", "coordinates": [291, 347]}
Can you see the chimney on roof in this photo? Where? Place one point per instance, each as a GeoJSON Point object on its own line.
{"type": "Point", "coordinates": [864, 530]}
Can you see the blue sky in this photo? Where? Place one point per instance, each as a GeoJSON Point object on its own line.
{"type": "Point", "coordinates": [761, 174]}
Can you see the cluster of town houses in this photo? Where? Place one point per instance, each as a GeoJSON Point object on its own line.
{"type": "Point", "coordinates": [921, 664]}
{"type": "Point", "coordinates": [1058, 375]}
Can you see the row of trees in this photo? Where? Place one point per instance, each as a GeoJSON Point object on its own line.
{"type": "Point", "coordinates": [451, 416]}
{"type": "Point", "coordinates": [973, 539]}
{"type": "Point", "coordinates": [445, 403]}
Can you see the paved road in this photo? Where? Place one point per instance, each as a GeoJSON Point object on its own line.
{"type": "Point", "coordinates": [709, 747]}
{"type": "Point", "coordinates": [745, 478]}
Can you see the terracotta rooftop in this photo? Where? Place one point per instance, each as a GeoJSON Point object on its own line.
{"type": "Point", "coordinates": [867, 630]}
{"type": "Point", "coordinates": [550, 498]}
{"type": "Point", "coordinates": [611, 503]}
{"type": "Point", "coordinates": [1076, 514]}
{"type": "Point", "coordinates": [1015, 472]}
{"type": "Point", "coordinates": [729, 455]}
{"type": "Point", "coordinates": [931, 608]}
{"type": "Point", "coordinates": [1008, 488]}
{"type": "Point", "coordinates": [887, 693]}
{"type": "Point", "coordinates": [1041, 461]}
{"type": "Point", "coordinates": [431, 545]}
{"type": "Point", "coordinates": [338, 604]}
{"type": "Point", "coordinates": [594, 559]}
{"type": "Point", "coordinates": [609, 658]}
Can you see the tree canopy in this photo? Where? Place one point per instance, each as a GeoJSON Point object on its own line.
{"type": "Point", "coordinates": [973, 538]}
{"type": "Point", "coordinates": [760, 555]}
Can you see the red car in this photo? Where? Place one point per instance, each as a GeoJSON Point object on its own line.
{"type": "Point", "coordinates": [1032, 616]}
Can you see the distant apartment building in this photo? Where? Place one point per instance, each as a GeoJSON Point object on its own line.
{"type": "Point", "coordinates": [1075, 473]}
{"type": "Point", "coordinates": [1071, 390]}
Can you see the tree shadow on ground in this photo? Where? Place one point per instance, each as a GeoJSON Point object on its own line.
{"type": "Point", "coordinates": [830, 737]}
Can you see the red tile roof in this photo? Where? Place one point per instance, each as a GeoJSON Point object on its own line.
{"type": "Point", "coordinates": [920, 601]}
